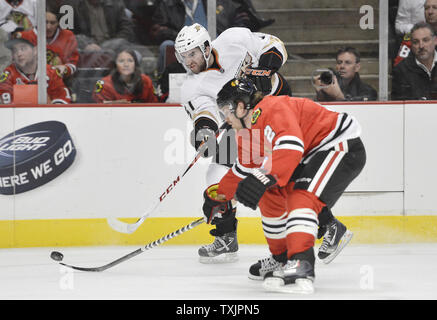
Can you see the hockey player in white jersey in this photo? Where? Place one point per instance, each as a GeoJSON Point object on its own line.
{"type": "Point", "coordinates": [210, 64]}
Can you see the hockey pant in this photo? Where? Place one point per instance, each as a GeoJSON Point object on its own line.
{"type": "Point", "coordinates": [290, 214]}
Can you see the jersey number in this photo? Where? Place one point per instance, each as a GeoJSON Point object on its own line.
{"type": "Point", "coordinates": [269, 133]}
{"type": "Point", "coordinates": [6, 98]}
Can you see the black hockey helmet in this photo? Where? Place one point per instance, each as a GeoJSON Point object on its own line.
{"type": "Point", "coordinates": [237, 90]}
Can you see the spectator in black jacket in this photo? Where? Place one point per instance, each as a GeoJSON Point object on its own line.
{"type": "Point", "coordinates": [415, 78]}
{"type": "Point", "coordinates": [101, 24]}
{"type": "Point", "coordinates": [171, 15]}
{"type": "Point", "coordinates": [346, 84]}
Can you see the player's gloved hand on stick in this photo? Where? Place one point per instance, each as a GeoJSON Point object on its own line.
{"type": "Point", "coordinates": [204, 136]}
{"type": "Point", "coordinates": [251, 189]}
{"type": "Point", "coordinates": [215, 207]}
{"type": "Point", "coordinates": [262, 77]}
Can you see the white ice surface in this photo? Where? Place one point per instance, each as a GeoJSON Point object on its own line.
{"type": "Point", "coordinates": [407, 271]}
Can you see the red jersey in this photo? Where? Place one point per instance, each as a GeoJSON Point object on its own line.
{"type": "Point", "coordinates": [56, 90]}
{"type": "Point", "coordinates": [404, 49]}
{"type": "Point", "coordinates": [105, 91]}
{"type": "Point", "coordinates": [285, 132]}
{"type": "Point", "coordinates": [62, 49]}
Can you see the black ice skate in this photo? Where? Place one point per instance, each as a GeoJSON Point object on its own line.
{"type": "Point", "coordinates": [258, 270]}
{"type": "Point", "coordinates": [222, 250]}
{"type": "Point", "coordinates": [335, 239]}
{"type": "Point", "coordinates": [296, 276]}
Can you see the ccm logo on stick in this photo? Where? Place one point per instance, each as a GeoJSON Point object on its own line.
{"type": "Point", "coordinates": [170, 187]}
{"type": "Point", "coordinates": [34, 155]}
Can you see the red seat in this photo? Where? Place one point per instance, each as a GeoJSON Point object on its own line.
{"type": "Point", "coordinates": [25, 93]}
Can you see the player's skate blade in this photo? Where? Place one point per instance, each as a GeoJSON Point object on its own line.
{"type": "Point", "coordinates": [300, 286]}
{"type": "Point", "coordinates": [345, 239]}
{"type": "Point", "coordinates": [223, 258]}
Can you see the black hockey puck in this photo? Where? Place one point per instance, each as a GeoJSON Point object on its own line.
{"type": "Point", "coordinates": [57, 256]}
{"type": "Point", "coordinates": [34, 155]}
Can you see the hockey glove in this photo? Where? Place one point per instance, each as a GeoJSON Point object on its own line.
{"type": "Point", "coordinates": [215, 210]}
{"type": "Point", "coordinates": [262, 77]}
{"type": "Point", "coordinates": [251, 189]}
{"type": "Point", "coordinates": [204, 135]}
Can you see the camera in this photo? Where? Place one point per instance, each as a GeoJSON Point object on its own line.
{"type": "Point", "coordinates": [326, 77]}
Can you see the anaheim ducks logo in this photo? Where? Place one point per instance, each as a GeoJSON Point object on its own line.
{"type": "Point", "coordinates": [4, 76]}
{"type": "Point", "coordinates": [256, 115]}
{"type": "Point", "coordinates": [99, 86]}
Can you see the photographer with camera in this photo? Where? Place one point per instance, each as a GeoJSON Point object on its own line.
{"type": "Point", "coordinates": [344, 83]}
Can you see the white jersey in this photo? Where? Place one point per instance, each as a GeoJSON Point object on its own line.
{"type": "Point", "coordinates": [234, 49]}
{"type": "Point", "coordinates": [25, 7]}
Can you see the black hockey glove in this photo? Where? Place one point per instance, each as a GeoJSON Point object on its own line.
{"type": "Point", "coordinates": [251, 189]}
{"type": "Point", "coordinates": [204, 134]}
{"type": "Point", "coordinates": [215, 210]}
{"type": "Point", "coordinates": [262, 77]}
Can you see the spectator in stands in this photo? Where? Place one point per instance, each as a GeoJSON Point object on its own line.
{"type": "Point", "coordinates": [415, 78]}
{"type": "Point", "coordinates": [141, 12]}
{"type": "Point", "coordinates": [125, 83]}
{"type": "Point", "coordinates": [345, 83]}
{"type": "Point", "coordinates": [23, 70]}
{"type": "Point", "coordinates": [17, 14]}
{"type": "Point", "coordinates": [171, 15]}
{"type": "Point", "coordinates": [62, 52]}
{"type": "Point", "coordinates": [409, 13]}
{"type": "Point", "coordinates": [101, 24]}
{"type": "Point", "coordinates": [431, 13]}
{"type": "Point", "coordinates": [14, 15]}
{"type": "Point", "coordinates": [430, 9]}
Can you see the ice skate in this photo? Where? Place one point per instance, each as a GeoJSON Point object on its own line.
{"type": "Point", "coordinates": [223, 250]}
{"type": "Point", "coordinates": [296, 276]}
{"type": "Point", "coordinates": [258, 270]}
{"type": "Point", "coordinates": [335, 239]}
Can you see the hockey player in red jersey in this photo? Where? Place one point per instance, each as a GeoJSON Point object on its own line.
{"type": "Point", "coordinates": [23, 71]}
{"type": "Point", "coordinates": [294, 158]}
{"type": "Point", "coordinates": [210, 64]}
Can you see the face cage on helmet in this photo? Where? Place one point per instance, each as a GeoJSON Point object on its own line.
{"type": "Point", "coordinates": [232, 104]}
{"type": "Point", "coordinates": [202, 48]}
{"type": "Point", "coordinates": [226, 103]}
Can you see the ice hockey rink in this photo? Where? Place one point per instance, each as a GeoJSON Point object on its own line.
{"type": "Point", "coordinates": [172, 272]}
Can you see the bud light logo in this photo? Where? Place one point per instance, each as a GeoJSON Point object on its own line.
{"type": "Point", "coordinates": [34, 155]}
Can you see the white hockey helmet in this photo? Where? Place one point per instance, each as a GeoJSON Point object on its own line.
{"type": "Point", "coordinates": [191, 37]}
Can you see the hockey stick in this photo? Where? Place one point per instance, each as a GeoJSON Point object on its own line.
{"type": "Point", "coordinates": [124, 227]}
{"type": "Point", "coordinates": [140, 250]}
